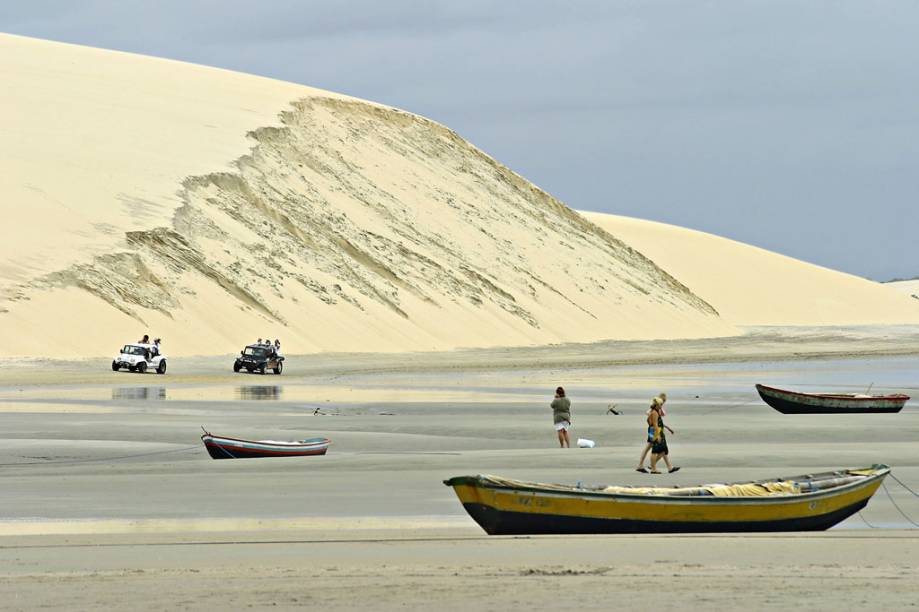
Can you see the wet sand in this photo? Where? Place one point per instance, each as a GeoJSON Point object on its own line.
{"type": "Point", "coordinates": [823, 572]}
{"type": "Point", "coordinates": [108, 493]}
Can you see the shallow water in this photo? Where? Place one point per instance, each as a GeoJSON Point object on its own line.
{"type": "Point", "coordinates": [132, 450]}
{"type": "Point", "coordinates": [877, 375]}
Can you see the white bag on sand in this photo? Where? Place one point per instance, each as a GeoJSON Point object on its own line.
{"type": "Point", "coordinates": [585, 443]}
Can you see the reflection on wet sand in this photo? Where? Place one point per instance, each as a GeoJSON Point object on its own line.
{"type": "Point", "coordinates": [259, 392]}
{"type": "Point", "coordinates": [139, 393]}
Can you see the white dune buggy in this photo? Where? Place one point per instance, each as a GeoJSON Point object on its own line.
{"type": "Point", "coordinates": [140, 358]}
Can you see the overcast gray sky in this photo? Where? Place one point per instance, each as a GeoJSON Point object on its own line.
{"type": "Point", "coordinates": [790, 125]}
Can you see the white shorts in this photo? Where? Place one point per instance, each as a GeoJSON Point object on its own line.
{"type": "Point", "coordinates": [563, 425]}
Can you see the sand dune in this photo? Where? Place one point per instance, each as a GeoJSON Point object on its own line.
{"type": "Point", "coordinates": [751, 286]}
{"type": "Point", "coordinates": [211, 207]}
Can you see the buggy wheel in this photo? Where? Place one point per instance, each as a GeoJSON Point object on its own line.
{"type": "Point", "coordinates": [261, 369]}
{"type": "Point", "coordinates": [279, 368]}
{"type": "Point", "coordinates": [161, 368]}
{"type": "Point", "coordinates": [236, 366]}
{"type": "Point", "coordinates": [114, 367]}
{"type": "Point", "coordinates": [142, 367]}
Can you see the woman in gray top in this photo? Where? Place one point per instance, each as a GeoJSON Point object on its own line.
{"type": "Point", "coordinates": [561, 415]}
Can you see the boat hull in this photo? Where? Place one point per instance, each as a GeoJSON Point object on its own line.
{"type": "Point", "coordinates": [501, 522]}
{"type": "Point", "coordinates": [789, 402]}
{"type": "Point", "coordinates": [231, 448]}
{"type": "Point", "coordinates": [503, 510]}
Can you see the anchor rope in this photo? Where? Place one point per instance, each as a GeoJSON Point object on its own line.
{"type": "Point", "coordinates": [92, 459]}
{"type": "Point", "coordinates": [722, 408]}
{"type": "Point", "coordinates": [861, 516]}
{"type": "Point", "coordinates": [895, 505]}
{"type": "Point", "coordinates": [903, 484]}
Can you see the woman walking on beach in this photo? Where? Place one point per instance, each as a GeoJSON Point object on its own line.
{"type": "Point", "coordinates": [561, 415]}
{"type": "Point", "coordinates": [658, 439]}
{"type": "Point", "coordinates": [660, 400]}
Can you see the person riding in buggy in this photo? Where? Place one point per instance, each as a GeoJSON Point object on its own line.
{"type": "Point", "coordinates": [259, 357]}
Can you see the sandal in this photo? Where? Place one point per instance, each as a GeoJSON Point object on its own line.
{"type": "Point", "coordinates": [674, 469]}
{"type": "Point", "coordinates": [654, 472]}
{"type": "Point", "coordinates": [642, 470]}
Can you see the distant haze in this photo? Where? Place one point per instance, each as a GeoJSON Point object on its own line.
{"type": "Point", "coordinates": [789, 125]}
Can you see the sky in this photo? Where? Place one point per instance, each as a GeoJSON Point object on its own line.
{"type": "Point", "coordinates": [793, 126]}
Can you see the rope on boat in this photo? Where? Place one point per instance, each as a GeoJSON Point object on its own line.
{"type": "Point", "coordinates": [218, 445]}
{"type": "Point", "coordinates": [90, 460]}
{"type": "Point", "coordinates": [890, 497]}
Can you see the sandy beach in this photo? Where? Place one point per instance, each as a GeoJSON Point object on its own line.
{"type": "Point", "coordinates": [108, 493]}
{"type": "Point", "coordinates": [429, 299]}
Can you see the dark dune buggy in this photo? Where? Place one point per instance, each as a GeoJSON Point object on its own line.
{"type": "Point", "coordinates": [258, 358]}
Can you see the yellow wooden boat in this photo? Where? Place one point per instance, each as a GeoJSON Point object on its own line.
{"type": "Point", "coordinates": [810, 502]}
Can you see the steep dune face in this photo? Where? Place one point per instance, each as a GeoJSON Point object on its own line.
{"type": "Point", "coordinates": [752, 286]}
{"type": "Point", "coordinates": [346, 226]}
{"type": "Point", "coordinates": [96, 143]}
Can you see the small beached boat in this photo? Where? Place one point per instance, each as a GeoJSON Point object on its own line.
{"type": "Point", "coordinates": [232, 448]}
{"type": "Point", "coordinates": [794, 402]}
{"type": "Point", "coordinates": [812, 502]}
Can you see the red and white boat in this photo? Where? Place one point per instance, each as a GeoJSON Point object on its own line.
{"type": "Point", "coordinates": [219, 447]}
